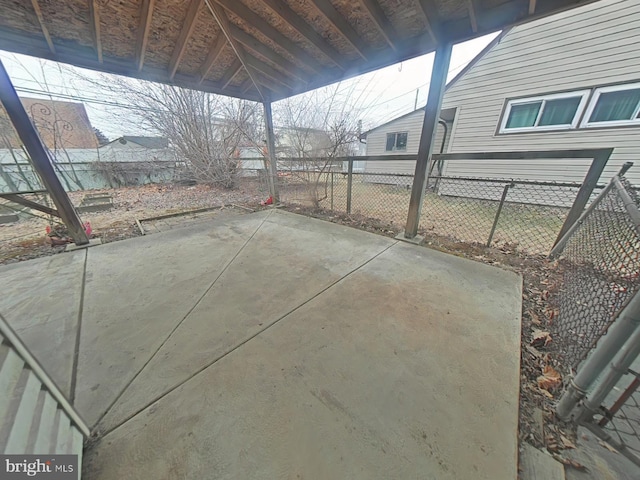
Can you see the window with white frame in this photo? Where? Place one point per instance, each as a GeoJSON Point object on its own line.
{"type": "Point", "coordinates": [396, 141]}
{"type": "Point", "coordinates": [617, 105]}
{"type": "Point", "coordinates": [549, 112]}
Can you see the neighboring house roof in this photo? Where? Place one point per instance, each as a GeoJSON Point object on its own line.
{"type": "Point", "coordinates": [62, 125]}
{"type": "Point", "coordinates": [458, 76]}
{"type": "Point", "coordinates": [153, 143]}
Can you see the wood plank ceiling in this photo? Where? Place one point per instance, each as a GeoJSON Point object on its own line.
{"type": "Point", "coordinates": [253, 49]}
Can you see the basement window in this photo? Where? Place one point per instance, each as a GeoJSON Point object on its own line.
{"type": "Point", "coordinates": [396, 141]}
{"type": "Point", "coordinates": [613, 106]}
{"type": "Point", "coordinates": [550, 112]}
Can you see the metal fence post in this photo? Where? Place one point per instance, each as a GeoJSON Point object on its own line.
{"type": "Point", "coordinates": [349, 184]}
{"type": "Point", "coordinates": [619, 367]}
{"type": "Point", "coordinates": [332, 191]}
{"type": "Point", "coordinates": [495, 220]}
{"type": "Point", "coordinates": [582, 198]}
{"type": "Point", "coordinates": [624, 327]}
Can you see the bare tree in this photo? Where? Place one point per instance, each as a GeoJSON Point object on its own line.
{"type": "Point", "coordinates": [205, 130]}
{"type": "Point", "coordinates": [315, 129]}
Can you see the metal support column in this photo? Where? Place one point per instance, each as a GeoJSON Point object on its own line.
{"type": "Point", "coordinates": [271, 151]}
{"type": "Point", "coordinates": [431, 117]}
{"type": "Point", "coordinates": [40, 158]}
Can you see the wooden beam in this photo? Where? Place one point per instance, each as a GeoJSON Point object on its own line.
{"type": "Point", "coordinates": [231, 72]}
{"type": "Point", "coordinates": [94, 13]}
{"type": "Point", "coordinates": [225, 25]}
{"type": "Point", "coordinates": [441, 64]}
{"type": "Point", "coordinates": [532, 7]}
{"type": "Point", "coordinates": [187, 29]}
{"type": "Point", "coordinates": [430, 12]}
{"type": "Point", "coordinates": [260, 24]}
{"type": "Point", "coordinates": [285, 13]}
{"type": "Point", "coordinates": [246, 85]}
{"type": "Point", "coordinates": [269, 71]}
{"type": "Point", "coordinates": [43, 27]}
{"type": "Point", "coordinates": [472, 15]}
{"type": "Point", "coordinates": [256, 46]}
{"type": "Point", "coordinates": [146, 13]}
{"type": "Point", "coordinates": [382, 23]}
{"type": "Point", "coordinates": [25, 202]}
{"type": "Point", "coordinates": [212, 56]}
{"type": "Point", "coordinates": [334, 17]}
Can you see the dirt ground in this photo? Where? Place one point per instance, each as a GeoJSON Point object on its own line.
{"type": "Point", "coordinates": [538, 425]}
{"type": "Point", "coordinates": [26, 239]}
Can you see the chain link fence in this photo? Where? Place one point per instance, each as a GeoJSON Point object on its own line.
{"type": "Point", "coordinates": [595, 333]}
{"type": "Point", "coordinates": [600, 265]}
{"type": "Point", "coordinates": [524, 215]}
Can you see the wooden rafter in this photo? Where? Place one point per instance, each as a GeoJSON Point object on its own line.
{"type": "Point", "coordinates": [187, 29]}
{"type": "Point", "coordinates": [246, 85]}
{"type": "Point", "coordinates": [260, 24]}
{"type": "Point", "coordinates": [254, 45]}
{"type": "Point", "coordinates": [95, 27]}
{"type": "Point", "coordinates": [225, 26]}
{"type": "Point", "coordinates": [283, 11]}
{"type": "Point", "coordinates": [43, 27]}
{"type": "Point", "coordinates": [212, 56]}
{"type": "Point", "coordinates": [472, 15]}
{"type": "Point", "coordinates": [146, 13]}
{"type": "Point", "coordinates": [231, 72]}
{"type": "Point", "coordinates": [430, 13]}
{"type": "Point", "coordinates": [271, 87]}
{"type": "Point", "coordinates": [532, 7]}
{"type": "Point", "coordinates": [382, 23]}
{"type": "Point", "coordinates": [269, 71]}
{"type": "Point", "coordinates": [334, 17]}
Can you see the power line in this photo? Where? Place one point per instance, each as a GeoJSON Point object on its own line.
{"type": "Point", "coordinates": [83, 99]}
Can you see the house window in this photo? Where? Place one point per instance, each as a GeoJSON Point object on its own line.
{"type": "Point", "coordinates": [614, 106]}
{"type": "Point", "coordinates": [396, 141]}
{"type": "Point", "coordinates": [550, 112]}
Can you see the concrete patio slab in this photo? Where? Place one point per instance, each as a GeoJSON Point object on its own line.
{"type": "Point", "coordinates": [289, 260]}
{"type": "Point", "coordinates": [274, 345]}
{"type": "Point", "coordinates": [405, 368]}
{"type": "Point", "coordinates": [41, 301]}
{"type": "Point", "coordinates": [137, 292]}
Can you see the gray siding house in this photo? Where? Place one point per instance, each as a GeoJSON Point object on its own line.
{"type": "Point", "coordinates": [563, 82]}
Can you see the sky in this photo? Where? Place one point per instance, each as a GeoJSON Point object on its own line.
{"type": "Point", "coordinates": [381, 95]}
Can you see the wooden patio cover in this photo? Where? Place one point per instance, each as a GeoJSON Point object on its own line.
{"type": "Point", "coordinates": [253, 49]}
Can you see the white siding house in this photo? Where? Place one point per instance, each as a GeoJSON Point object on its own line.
{"type": "Point", "coordinates": [401, 136]}
{"type": "Point", "coordinates": [570, 81]}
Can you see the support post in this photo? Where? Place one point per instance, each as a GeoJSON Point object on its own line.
{"type": "Point", "coordinates": [431, 116]}
{"type": "Point", "coordinates": [271, 151]}
{"type": "Point", "coordinates": [582, 198]}
{"type": "Point", "coordinates": [349, 184]}
{"type": "Point", "coordinates": [332, 191]}
{"type": "Point", "coordinates": [40, 158]}
{"type": "Point", "coordinates": [498, 212]}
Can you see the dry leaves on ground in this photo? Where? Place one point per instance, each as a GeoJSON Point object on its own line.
{"type": "Point", "coordinates": [607, 446]}
{"type": "Point", "coordinates": [540, 338]}
{"type": "Point", "coordinates": [549, 379]}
